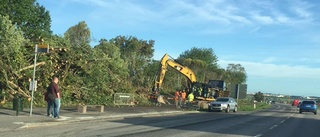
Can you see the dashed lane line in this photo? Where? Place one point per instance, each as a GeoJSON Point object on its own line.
{"type": "Point", "coordinates": [273, 127]}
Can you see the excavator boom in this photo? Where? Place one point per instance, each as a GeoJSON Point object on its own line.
{"type": "Point", "coordinates": [167, 61]}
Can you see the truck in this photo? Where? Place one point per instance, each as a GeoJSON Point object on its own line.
{"type": "Point", "coordinates": [202, 91]}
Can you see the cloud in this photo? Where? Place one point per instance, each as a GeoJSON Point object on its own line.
{"type": "Point", "coordinates": [301, 9]}
{"type": "Point", "coordinates": [269, 60]}
{"type": "Point", "coordinates": [282, 19]}
{"type": "Point", "coordinates": [210, 15]}
{"type": "Point", "coordinates": [257, 69]}
{"type": "Point", "coordinates": [100, 3]}
{"type": "Point", "coordinates": [255, 29]}
{"type": "Point", "coordinates": [263, 19]}
{"type": "Point", "coordinates": [209, 11]}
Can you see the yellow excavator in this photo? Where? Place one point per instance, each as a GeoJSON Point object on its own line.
{"type": "Point", "coordinates": [168, 61]}
{"type": "Point", "coordinates": [202, 91]}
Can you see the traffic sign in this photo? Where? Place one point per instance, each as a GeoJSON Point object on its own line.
{"type": "Point", "coordinates": [43, 48]}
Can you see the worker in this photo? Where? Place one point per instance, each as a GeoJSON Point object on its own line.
{"type": "Point", "coordinates": [216, 94]}
{"type": "Point", "coordinates": [205, 91]}
{"type": "Point", "coordinates": [156, 98]}
{"type": "Point", "coordinates": [191, 97]}
{"type": "Point", "coordinates": [160, 100]}
{"type": "Point", "coordinates": [176, 98]}
{"type": "Point", "coordinates": [183, 97]}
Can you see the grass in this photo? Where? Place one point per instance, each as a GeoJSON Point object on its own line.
{"type": "Point", "coordinates": [248, 106]}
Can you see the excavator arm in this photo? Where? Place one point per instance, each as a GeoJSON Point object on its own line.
{"type": "Point", "coordinates": [168, 61]}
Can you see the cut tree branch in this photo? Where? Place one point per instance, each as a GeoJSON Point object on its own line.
{"type": "Point", "coordinates": [31, 66]}
{"type": "Point", "coordinates": [19, 89]}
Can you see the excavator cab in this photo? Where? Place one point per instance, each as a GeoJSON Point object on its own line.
{"type": "Point", "coordinates": [202, 91]}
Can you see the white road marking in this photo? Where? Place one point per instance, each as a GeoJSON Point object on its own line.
{"type": "Point", "coordinates": [282, 121]}
{"type": "Point", "coordinates": [82, 118]}
{"type": "Point", "coordinates": [259, 135]}
{"type": "Point", "coordinates": [18, 123]}
{"type": "Point", "coordinates": [273, 127]}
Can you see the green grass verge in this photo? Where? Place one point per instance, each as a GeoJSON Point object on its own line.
{"type": "Point", "coordinates": [249, 106]}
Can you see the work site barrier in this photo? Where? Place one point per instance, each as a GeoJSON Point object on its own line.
{"type": "Point", "coordinates": [123, 99]}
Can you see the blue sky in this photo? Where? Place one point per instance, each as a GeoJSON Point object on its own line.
{"type": "Point", "coordinates": [277, 41]}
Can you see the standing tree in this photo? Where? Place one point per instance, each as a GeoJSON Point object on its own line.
{"type": "Point", "coordinates": [78, 35]}
{"type": "Point", "coordinates": [202, 61]}
{"type": "Point", "coordinates": [12, 58]}
{"type": "Point", "coordinates": [138, 54]}
{"type": "Point", "coordinates": [114, 69]}
{"type": "Point", "coordinates": [205, 54]}
{"type": "Point", "coordinates": [258, 96]}
{"type": "Point", "coordinates": [235, 74]}
{"type": "Point", "coordinates": [34, 20]}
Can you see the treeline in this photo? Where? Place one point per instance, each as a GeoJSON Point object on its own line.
{"type": "Point", "coordinates": [88, 74]}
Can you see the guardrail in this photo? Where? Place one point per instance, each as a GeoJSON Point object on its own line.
{"type": "Point", "coordinates": [120, 99]}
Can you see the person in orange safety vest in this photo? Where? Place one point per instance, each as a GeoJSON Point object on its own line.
{"type": "Point", "coordinates": [176, 98]}
{"type": "Point", "coordinates": [183, 97]}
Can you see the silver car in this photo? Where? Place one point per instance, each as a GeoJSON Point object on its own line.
{"type": "Point", "coordinates": [223, 104]}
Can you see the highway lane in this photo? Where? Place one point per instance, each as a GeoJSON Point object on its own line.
{"type": "Point", "coordinates": [298, 125]}
{"type": "Point", "coordinates": [255, 124]}
{"type": "Point", "coordinates": [280, 120]}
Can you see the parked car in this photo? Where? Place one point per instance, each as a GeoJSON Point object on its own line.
{"type": "Point", "coordinates": [223, 104]}
{"type": "Point", "coordinates": [308, 106]}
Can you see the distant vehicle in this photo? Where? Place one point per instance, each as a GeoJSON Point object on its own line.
{"type": "Point", "coordinates": [223, 104]}
{"type": "Point", "coordinates": [308, 106]}
{"type": "Point", "coordinates": [295, 102]}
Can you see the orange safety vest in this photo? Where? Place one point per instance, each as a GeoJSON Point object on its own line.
{"type": "Point", "coordinates": [183, 95]}
{"type": "Point", "coordinates": [176, 95]}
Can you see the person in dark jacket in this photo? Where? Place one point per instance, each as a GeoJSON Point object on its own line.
{"type": "Point", "coordinates": [49, 103]}
{"type": "Point", "coordinates": [54, 89]}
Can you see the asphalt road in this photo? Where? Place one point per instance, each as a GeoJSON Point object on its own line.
{"type": "Point", "coordinates": [279, 121]}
